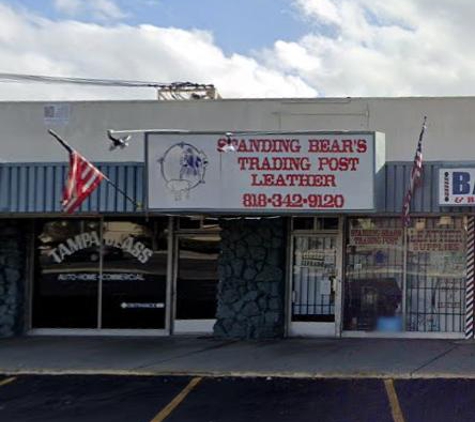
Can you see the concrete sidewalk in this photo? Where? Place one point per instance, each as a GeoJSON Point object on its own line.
{"type": "Point", "coordinates": [348, 358]}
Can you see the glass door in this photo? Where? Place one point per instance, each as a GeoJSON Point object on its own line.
{"type": "Point", "coordinates": [314, 284]}
{"type": "Point", "coordinates": [134, 275]}
{"type": "Point", "coordinates": [196, 282]}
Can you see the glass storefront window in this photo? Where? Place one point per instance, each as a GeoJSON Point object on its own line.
{"type": "Point", "coordinates": [436, 267]}
{"type": "Point", "coordinates": [65, 293]}
{"type": "Point", "coordinates": [77, 287]}
{"type": "Point", "coordinates": [315, 223]}
{"type": "Point", "coordinates": [303, 223]}
{"type": "Point", "coordinates": [426, 272]}
{"type": "Point", "coordinates": [373, 288]}
{"type": "Point", "coordinates": [327, 223]}
{"type": "Point", "coordinates": [198, 223]}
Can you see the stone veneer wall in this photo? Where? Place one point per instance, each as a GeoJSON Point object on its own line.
{"type": "Point", "coordinates": [251, 288]}
{"type": "Point", "coordinates": [12, 278]}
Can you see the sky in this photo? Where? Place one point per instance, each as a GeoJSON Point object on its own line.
{"type": "Point", "coordinates": [246, 48]}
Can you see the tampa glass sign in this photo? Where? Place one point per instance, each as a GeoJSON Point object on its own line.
{"type": "Point", "coordinates": [90, 239]}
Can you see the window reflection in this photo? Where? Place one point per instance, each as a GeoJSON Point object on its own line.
{"type": "Point", "coordinates": [314, 278]}
{"type": "Point", "coordinates": [374, 275]}
{"type": "Point", "coordinates": [67, 274]}
{"type": "Point", "coordinates": [435, 274]}
{"type": "Point", "coordinates": [135, 274]}
{"type": "Point", "coordinates": [197, 277]}
{"type": "Point", "coordinates": [436, 268]}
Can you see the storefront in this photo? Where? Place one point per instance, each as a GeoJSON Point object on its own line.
{"type": "Point", "coordinates": [266, 235]}
{"type": "Point", "coordinates": [150, 276]}
{"type": "Point", "coordinates": [345, 276]}
{"type": "Point", "coordinates": [395, 281]}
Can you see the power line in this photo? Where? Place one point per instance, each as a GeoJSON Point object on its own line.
{"type": "Point", "coordinates": [14, 77]}
{"type": "Point", "coordinates": [173, 90]}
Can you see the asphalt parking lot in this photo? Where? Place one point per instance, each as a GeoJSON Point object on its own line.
{"type": "Point", "coordinates": [64, 398]}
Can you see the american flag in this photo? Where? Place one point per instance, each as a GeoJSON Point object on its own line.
{"type": "Point", "coordinates": [416, 176]}
{"type": "Point", "coordinates": [83, 179]}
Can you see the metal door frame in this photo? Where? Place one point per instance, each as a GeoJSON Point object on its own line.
{"type": "Point", "coordinates": [310, 329]}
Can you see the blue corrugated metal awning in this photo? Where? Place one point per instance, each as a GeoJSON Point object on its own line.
{"type": "Point", "coordinates": [37, 188]}
{"type": "Point", "coordinates": [426, 197]}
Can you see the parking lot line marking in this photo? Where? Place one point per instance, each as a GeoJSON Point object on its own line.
{"type": "Point", "coordinates": [396, 411]}
{"type": "Point", "coordinates": [7, 381]}
{"type": "Point", "coordinates": [170, 407]}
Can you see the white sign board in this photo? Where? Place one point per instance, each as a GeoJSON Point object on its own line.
{"type": "Point", "coordinates": [267, 173]}
{"type": "Point", "coordinates": [457, 187]}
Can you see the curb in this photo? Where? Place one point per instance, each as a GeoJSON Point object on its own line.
{"type": "Point", "coordinates": [238, 374]}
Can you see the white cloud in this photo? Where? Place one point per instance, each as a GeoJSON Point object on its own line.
{"type": "Point", "coordinates": [98, 9]}
{"type": "Point", "coordinates": [35, 45]}
{"type": "Point", "coordinates": [70, 7]}
{"type": "Point", "coordinates": [323, 10]}
{"type": "Point", "coordinates": [382, 48]}
{"type": "Point", "coordinates": [107, 9]}
{"type": "Point", "coordinates": [355, 48]}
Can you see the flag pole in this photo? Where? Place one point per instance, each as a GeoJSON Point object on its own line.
{"type": "Point", "coordinates": [70, 150]}
{"type": "Point", "coordinates": [416, 174]}
{"type": "Point", "coordinates": [61, 141]}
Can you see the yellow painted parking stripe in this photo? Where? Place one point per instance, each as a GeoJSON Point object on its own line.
{"type": "Point", "coordinates": [166, 411]}
{"type": "Point", "coordinates": [396, 411]}
{"type": "Point", "coordinates": [7, 381]}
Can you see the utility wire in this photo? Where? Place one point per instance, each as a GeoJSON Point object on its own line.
{"type": "Point", "coordinates": [14, 77]}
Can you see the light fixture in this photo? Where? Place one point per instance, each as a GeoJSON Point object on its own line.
{"type": "Point", "coordinates": [420, 224]}
{"type": "Point", "coordinates": [445, 220]}
{"type": "Point", "coordinates": [229, 147]}
{"type": "Point", "coordinates": [117, 142]}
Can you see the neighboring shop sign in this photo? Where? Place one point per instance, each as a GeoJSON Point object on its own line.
{"type": "Point", "coordinates": [457, 186]}
{"type": "Point", "coordinates": [375, 237]}
{"type": "Point", "coordinates": [434, 240]}
{"type": "Point", "coordinates": [284, 172]}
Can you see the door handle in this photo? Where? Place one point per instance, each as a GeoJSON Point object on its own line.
{"type": "Point", "coordinates": [294, 296]}
{"type": "Point", "coordinates": [334, 280]}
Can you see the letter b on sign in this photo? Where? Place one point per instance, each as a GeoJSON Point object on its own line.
{"type": "Point", "coordinates": [460, 183]}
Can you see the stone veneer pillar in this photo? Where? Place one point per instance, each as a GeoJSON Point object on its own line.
{"type": "Point", "coordinates": [251, 288]}
{"type": "Point", "coordinates": [12, 278]}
